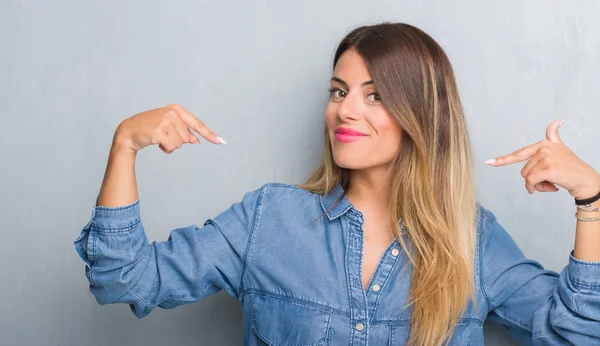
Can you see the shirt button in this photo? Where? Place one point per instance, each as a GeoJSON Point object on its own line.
{"type": "Point", "coordinates": [360, 326]}
{"type": "Point", "coordinates": [376, 288]}
{"type": "Point", "coordinates": [395, 252]}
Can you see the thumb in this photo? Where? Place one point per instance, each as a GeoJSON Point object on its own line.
{"type": "Point", "coordinates": [552, 132]}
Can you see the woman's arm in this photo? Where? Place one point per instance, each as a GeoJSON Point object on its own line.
{"type": "Point", "coordinates": [121, 265]}
{"type": "Point", "coordinates": [119, 186]}
{"type": "Point", "coordinates": [587, 235]}
{"type": "Point", "coordinates": [537, 306]}
{"type": "Point", "coordinates": [550, 163]}
{"type": "Point", "coordinates": [169, 127]}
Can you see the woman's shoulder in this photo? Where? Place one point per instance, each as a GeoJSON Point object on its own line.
{"type": "Point", "coordinates": [275, 188]}
{"type": "Point", "coordinates": [489, 228]}
{"type": "Point", "coordinates": [484, 214]}
{"type": "Point", "coordinates": [283, 195]}
{"type": "Point", "coordinates": [285, 188]}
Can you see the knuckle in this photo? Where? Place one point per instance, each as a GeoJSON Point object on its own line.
{"type": "Point", "coordinates": [174, 107]}
{"type": "Point", "coordinates": [529, 179]}
{"type": "Point", "coordinates": [170, 114]}
{"type": "Point", "coordinates": [164, 123]}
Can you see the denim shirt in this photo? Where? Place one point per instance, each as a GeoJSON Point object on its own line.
{"type": "Point", "coordinates": [294, 258]}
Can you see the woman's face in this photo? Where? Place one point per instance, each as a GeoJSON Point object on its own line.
{"type": "Point", "coordinates": [362, 132]}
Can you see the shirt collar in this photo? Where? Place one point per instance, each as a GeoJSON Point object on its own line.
{"type": "Point", "coordinates": [335, 203]}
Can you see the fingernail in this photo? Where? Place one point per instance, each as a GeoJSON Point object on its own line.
{"type": "Point", "coordinates": [490, 161]}
{"type": "Point", "coordinates": [561, 122]}
{"type": "Point", "coordinates": [221, 140]}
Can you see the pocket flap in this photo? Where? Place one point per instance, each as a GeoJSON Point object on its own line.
{"type": "Point", "coordinates": [285, 322]}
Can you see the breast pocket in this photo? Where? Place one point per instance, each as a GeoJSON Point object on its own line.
{"type": "Point", "coordinates": [462, 335]}
{"type": "Point", "coordinates": [279, 322]}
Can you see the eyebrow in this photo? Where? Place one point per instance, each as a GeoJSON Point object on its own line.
{"type": "Point", "coordinates": [345, 85]}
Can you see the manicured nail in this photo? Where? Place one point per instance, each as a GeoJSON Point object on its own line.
{"type": "Point", "coordinates": [490, 161]}
{"type": "Point", "coordinates": [221, 140]}
{"type": "Point", "coordinates": [561, 122]}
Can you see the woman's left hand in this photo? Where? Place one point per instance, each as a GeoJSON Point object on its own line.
{"type": "Point", "coordinates": [551, 163]}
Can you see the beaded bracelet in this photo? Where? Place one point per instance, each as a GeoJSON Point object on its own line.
{"type": "Point", "coordinates": [587, 219]}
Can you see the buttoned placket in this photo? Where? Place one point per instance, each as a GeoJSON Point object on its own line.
{"type": "Point", "coordinates": [364, 303]}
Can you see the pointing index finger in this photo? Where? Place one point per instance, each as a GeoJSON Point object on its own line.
{"type": "Point", "coordinates": [516, 156]}
{"type": "Point", "coordinates": [197, 125]}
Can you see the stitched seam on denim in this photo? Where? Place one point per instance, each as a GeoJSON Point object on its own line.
{"type": "Point", "coordinates": [259, 335]}
{"type": "Point", "coordinates": [93, 246]}
{"type": "Point", "coordinates": [250, 241]}
{"type": "Point", "coordinates": [585, 263]}
{"type": "Point", "coordinates": [263, 338]}
{"type": "Point", "coordinates": [468, 335]}
{"type": "Point", "coordinates": [297, 301]}
{"type": "Point", "coordinates": [155, 302]}
{"type": "Point", "coordinates": [107, 230]}
{"type": "Point", "coordinates": [129, 291]}
{"type": "Point", "coordinates": [360, 271]}
{"type": "Point", "coordinates": [288, 186]}
{"type": "Point", "coordinates": [480, 241]}
{"type": "Point", "coordinates": [351, 311]}
{"type": "Point", "coordinates": [583, 285]}
{"type": "Point", "coordinates": [91, 243]}
{"type": "Point", "coordinates": [501, 315]}
{"type": "Point", "coordinates": [327, 338]}
{"type": "Point", "coordinates": [404, 321]}
{"type": "Point", "coordinates": [396, 259]}
{"type": "Point", "coordinates": [121, 207]}
{"type": "Point", "coordinates": [252, 324]}
{"type": "Point", "coordinates": [552, 322]}
{"type": "Point", "coordinates": [342, 227]}
{"type": "Point", "coordinates": [328, 211]}
{"type": "Point", "coordinates": [342, 212]}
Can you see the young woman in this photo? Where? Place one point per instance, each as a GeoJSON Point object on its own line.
{"type": "Point", "coordinates": [383, 245]}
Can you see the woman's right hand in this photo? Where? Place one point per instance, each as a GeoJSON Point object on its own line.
{"type": "Point", "coordinates": [169, 127]}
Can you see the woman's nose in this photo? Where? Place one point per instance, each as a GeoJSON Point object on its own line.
{"type": "Point", "coordinates": [349, 109]}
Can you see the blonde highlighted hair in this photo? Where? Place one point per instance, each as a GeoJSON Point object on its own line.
{"type": "Point", "coordinates": [431, 178]}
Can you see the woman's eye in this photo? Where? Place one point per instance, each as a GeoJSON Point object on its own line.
{"type": "Point", "coordinates": [336, 93]}
{"type": "Point", "coordinates": [373, 97]}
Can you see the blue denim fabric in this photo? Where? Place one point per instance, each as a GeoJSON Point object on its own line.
{"type": "Point", "coordinates": [293, 259]}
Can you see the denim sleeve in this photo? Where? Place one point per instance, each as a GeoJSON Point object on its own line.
{"type": "Point", "coordinates": [537, 306]}
{"type": "Point", "coordinates": [123, 267]}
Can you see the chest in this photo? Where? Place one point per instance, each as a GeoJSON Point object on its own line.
{"type": "Point", "coordinates": [338, 282]}
{"type": "Point", "coordinates": [376, 239]}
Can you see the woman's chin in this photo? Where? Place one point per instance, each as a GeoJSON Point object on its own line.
{"type": "Point", "coordinates": [351, 162]}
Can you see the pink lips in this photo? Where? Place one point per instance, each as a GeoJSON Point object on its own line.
{"type": "Point", "coordinates": [346, 135]}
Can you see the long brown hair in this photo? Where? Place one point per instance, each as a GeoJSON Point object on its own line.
{"type": "Point", "coordinates": [430, 180]}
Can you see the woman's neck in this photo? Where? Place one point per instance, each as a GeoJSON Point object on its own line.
{"type": "Point", "coordinates": [368, 191]}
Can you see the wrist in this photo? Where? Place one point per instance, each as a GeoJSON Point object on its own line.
{"type": "Point", "coordinates": [121, 144]}
{"type": "Point", "coordinates": [590, 191]}
{"type": "Point", "coordinates": [593, 208]}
